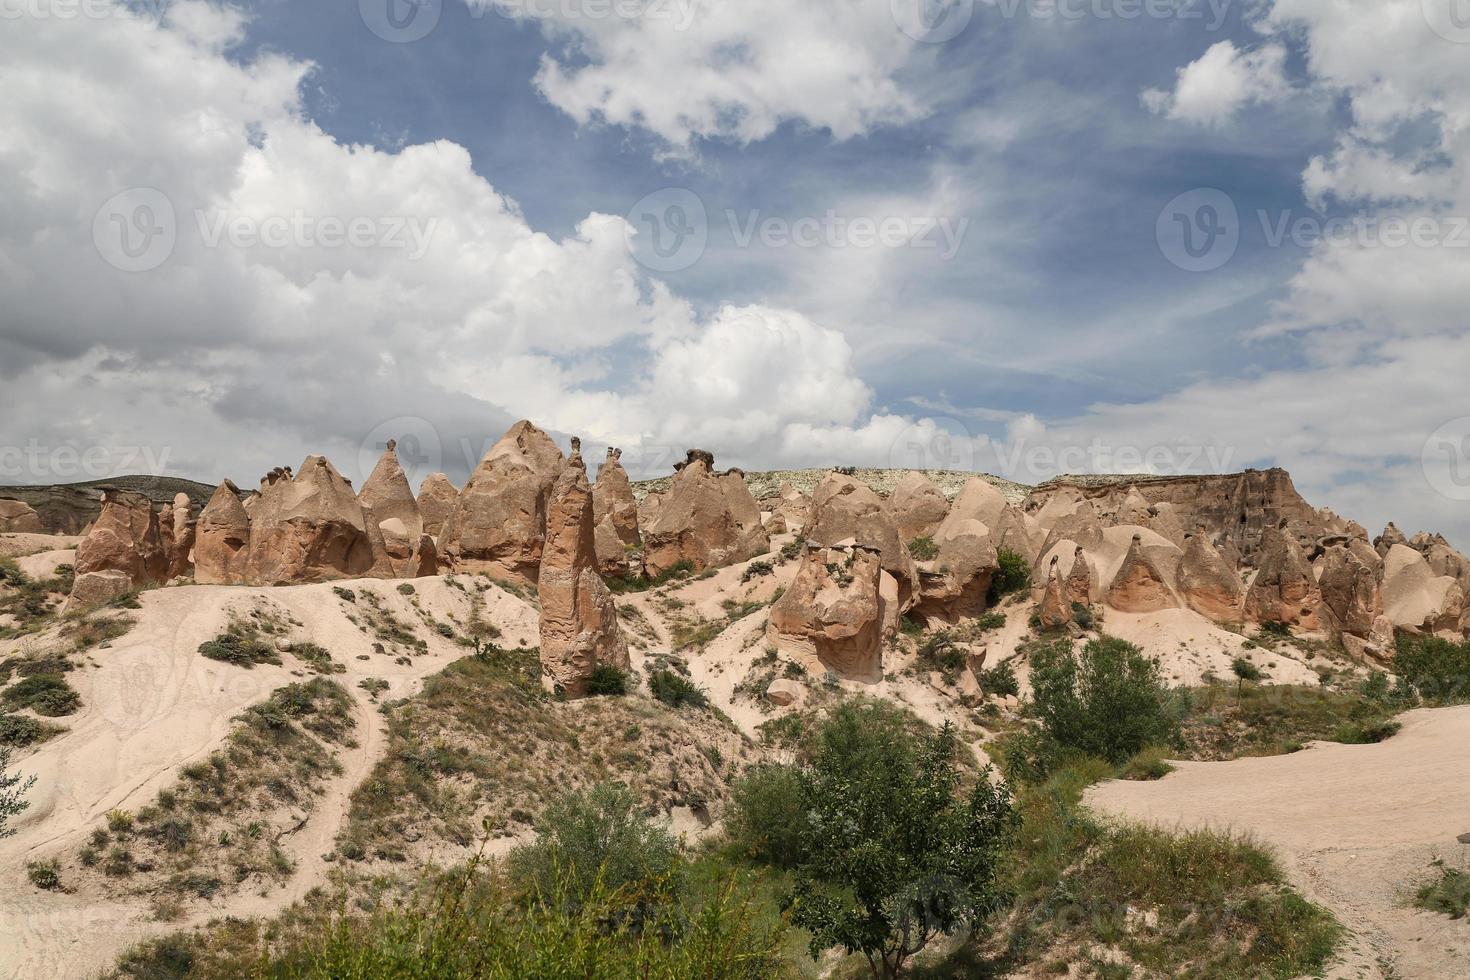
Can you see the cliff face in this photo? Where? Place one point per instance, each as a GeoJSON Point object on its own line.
{"type": "Point", "coordinates": [1236, 508]}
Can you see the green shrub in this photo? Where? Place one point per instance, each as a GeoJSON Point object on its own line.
{"type": "Point", "coordinates": [990, 621]}
{"type": "Point", "coordinates": [406, 589]}
{"type": "Point", "coordinates": [607, 681]}
{"type": "Point", "coordinates": [1272, 628]}
{"type": "Point", "coordinates": [676, 691]}
{"type": "Point", "coordinates": [45, 875]}
{"type": "Point", "coordinates": [1437, 669]}
{"type": "Point", "coordinates": [10, 573]}
{"type": "Point", "coordinates": [1448, 893]}
{"type": "Point", "coordinates": [597, 838]}
{"type": "Point", "coordinates": [241, 645]}
{"type": "Point", "coordinates": [895, 854]}
{"type": "Point", "coordinates": [1366, 732]}
{"type": "Point", "coordinates": [766, 817]}
{"type": "Point", "coordinates": [923, 549]}
{"type": "Point", "coordinates": [48, 695]}
{"type": "Point", "coordinates": [1000, 681]}
{"type": "Point", "coordinates": [1110, 701]}
{"type": "Point", "coordinates": [18, 731]}
{"type": "Point", "coordinates": [1013, 576]}
{"type": "Point", "coordinates": [1149, 764]}
{"type": "Point", "coordinates": [756, 569]}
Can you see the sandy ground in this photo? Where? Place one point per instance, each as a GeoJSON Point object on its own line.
{"type": "Point", "coordinates": [1356, 827]}
{"type": "Point", "coordinates": [151, 705]}
{"type": "Point", "coordinates": [29, 544]}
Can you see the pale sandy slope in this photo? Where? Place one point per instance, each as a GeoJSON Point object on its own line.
{"type": "Point", "coordinates": [1355, 825]}
{"type": "Point", "coordinates": [153, 704]}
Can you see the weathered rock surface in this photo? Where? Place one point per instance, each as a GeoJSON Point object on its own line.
{"type": "Point", "coordinates": [1055, 611]}
{"type": "Point", "coordinates": [1285, 589]}
{"type": "Point", "coordinates": [707, 519]}
{"type": "Point", "coordinates": [394, 524]}
{"type": "Point", "coordinates": [1140, 585]}
{"type": "Point", "coordinates": [1415, 598]}
{"type": "Point", "coordinates": [917, 507]}
{"type": "Point", "coordinates": [793, 509]}
{"type": "Point", "coordinates": [833, 610]}
{"type": "Point", "coordinates": [843, 510]}
{"type": "Point", "coordinates": [1082, 585]}
{"type": "Point", "coordinates": [579, 622]}
{"type": "Point", "coordinates": [222, 539]}
{"type": "Point", "coordinates": [612, 499]}
{"type": "Point", "coordinates": [308, 528]}
{"type": "Point", "coordinates": [1350, 591]}
{"type": "Point", "coordinates": [436, 502]}
{"type": "Point", "coordinates": [1207, 583]}
{"type": "Point", "coordinates": [122, 551]}
{"type": "Point", "coordinates": [19, 517]}
{"type": "Point", "coordinates": [499, 520]}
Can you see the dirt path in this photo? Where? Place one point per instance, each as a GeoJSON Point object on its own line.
{"type": "Point", "coordinates": [1356, 827]}
{"type": "Point", "coordinates": [152, 705]}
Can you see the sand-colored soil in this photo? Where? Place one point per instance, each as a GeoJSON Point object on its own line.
{"type": "Point", "coordinates": [12, 545]}
{"type": "Point", "coordinates": [1356, 827]}
{"type": "Point", "coordinates": [151, 705]}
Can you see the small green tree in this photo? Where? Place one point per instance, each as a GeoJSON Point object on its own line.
{"type": "Point", "coordinates": [596, 839]}
{"type": "Point", "coordinates": [766, 818]}
{"type": "Point", "coordinates": [895, 855]}
{"type": "Point", "coordinates": [13, 788]}
{"type": "Point", "coordinates": [1244, 671]}
{"type": "Point", "coordinates": [1013, 576]}
{"type": "Point", "coordinates": [1108, 701]}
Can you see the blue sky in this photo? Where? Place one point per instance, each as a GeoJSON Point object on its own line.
{"type": "Point", "coordinates": [1049, 145]}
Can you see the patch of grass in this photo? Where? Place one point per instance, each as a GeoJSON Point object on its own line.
{"type": "Point", "coordinates": [242, 645]}
{"type": "Point", "coordinates": [990, 621]}
{"type": "Point", "coordinates": [1447, 893]}
{"type": "Point", "coordinates": [19, 732]}
{"type": "Point", "coordinates": [755, 570]}
{"type": "Point", "coordinates": [642, 583]}
{"type": "Point", "coordinates": [923, 549]}
{"type": "Point", "coordinates": [1227, 721]}
{"type": "Point", "coordinates": [1196, 903]}
{"type": "Point", "coordinates": [317, 658]}
{"type": "Point", "coordinates": [676, 691]}
{"type": "Point", "coordinates": [217, 828]}
{"type": "Point", "coordinates": [48, 695]}
{"type": "Point", "coordinates": [696, 635]}
{"type": "Point", "coordinates": [93, 630]}
{"type": "Point", "coordinates": [1149, 764]}
{"type": "Point", "coordinates": [1438, 670]}
{"type": "Point", "coordinates": [607, 681]}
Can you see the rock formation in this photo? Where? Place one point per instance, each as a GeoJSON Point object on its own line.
{"type": "Point", "coordinates": [1082, 584]}
{"type": "Point", "coordinates": [847, 510]}
{"type": "Point", "coordinates": [833, 610]}
{"type": "Point", "coordinates": [1349, 584]}
{"type": "Point", "coordinates": [1140, 585]}
{"type": "Point", "coordinates": [792, 511]}
{"type": "Point", "coordinates": [222, 539]}
{"type": "Point", "coordinates": [1391, 536]}
{"type": "Point", "coordinates": [1207, 583]}
{"type": "Point", "coordinates": [18, 517]}
{"type": "Point", "coordinates": [177, 527]}
{"type": "Point", "coordinates": [579, 622]}
{"type": "Point", "coordinates": [1285, 588]}
{"type": "Point", "coordinates": [1055, 611]}
{"type": "Point", "coordinates": [308, 528]}
{"type": "Point", "coordinates": [613, 501]}
{"type": "Point", "coordinates": [401, 548]}
{"type": "Point", "coordinates": [1414, 598]}
{"type": "Point", "coordinates": [436, 502]}
{"type": "Point", "coordinates": [708, 520]}
{"type": "Point", "coordinates": [917, 507]}
{"type": "Point", "coordinates": [122, 551]}
{"type": "Point", "coordinates": [499, 520]}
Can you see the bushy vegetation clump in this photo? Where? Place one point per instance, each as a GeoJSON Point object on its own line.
{"type": "Point", "coordinates": [1014, 575]}
{"type": "Point", "coordinates": [1436, 669]}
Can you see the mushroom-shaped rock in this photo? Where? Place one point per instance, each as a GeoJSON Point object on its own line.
{"type": "Point", "coordinates": [498, 524]}
{"type": "Point", "coordinates": [917, 506]}
{"type": "Point", "coordinates": [1081, 586]}
{"type": "Point", "coordinates": [391, 498]}
{"type": "Point", "coordinates": [612, 499]}
{"type": "Point", "coordinates": [579, 622]}
{"type": "Point", "coordinates": [124, 550]}
{"type": "Point", "coordinates": [222, 539]}
{"type": "Point", "coordinates": [18, 517]}
{"type": "Point", "coordinates": [308, 528]}
{"type": "Point", "coordinates": [1285, 588]}
{"type": "Point", "coordinates": [833, 610]}
{"type": "Point", "coordinates": [1140, 586]}
{"type": "Point", "coordinates": [1207, 583]}
{"type": "Point", "coordinates": [1055, 611]}
{"type": "Point", "coordinates": [707, 519]}
{"type": "Point", "coordinates": [436, 502]}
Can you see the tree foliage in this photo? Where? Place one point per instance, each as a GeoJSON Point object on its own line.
{"type": "Point", "coordinates": [13, 787]}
